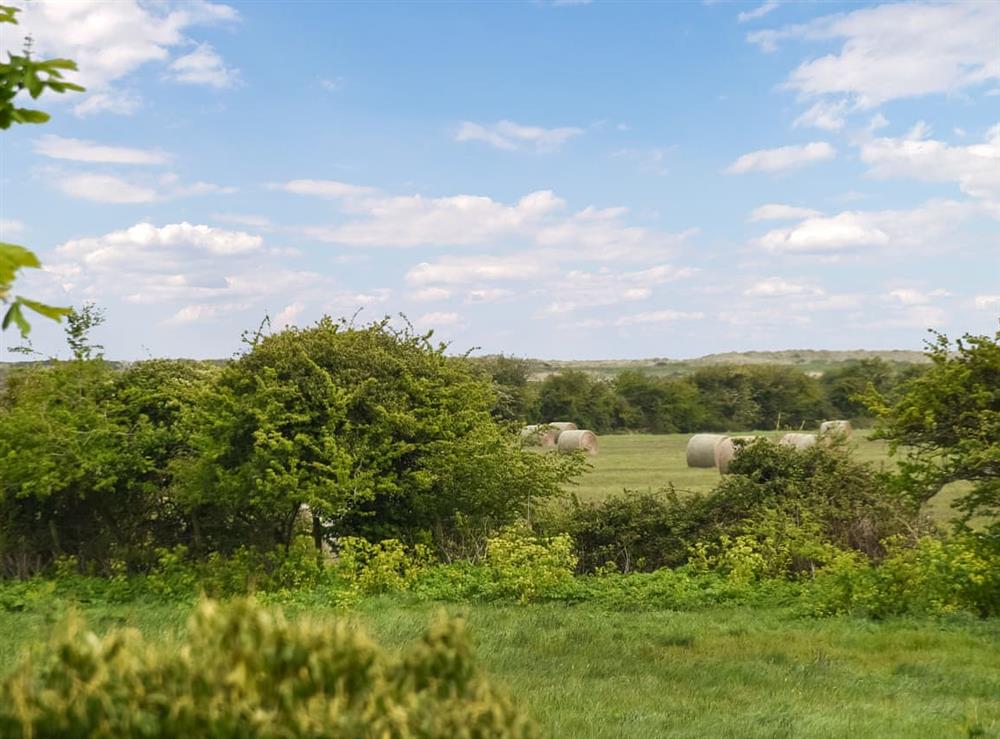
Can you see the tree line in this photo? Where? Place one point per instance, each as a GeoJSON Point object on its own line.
{"type": "Point", "coordinates": [715, 398]}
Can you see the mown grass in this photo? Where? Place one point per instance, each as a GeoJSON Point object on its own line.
{"type": "Point", "coordinates": [725, 672]}
{"type": "Point", "coordinates": [644, 462]}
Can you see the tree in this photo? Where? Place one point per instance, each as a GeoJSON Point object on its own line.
{"type": "Point", "coordinates": [375, 429]}
{"type": "Point", "coordinates": [946, 423]}
{"type": "Point", "coordinates": [22, 73]}
{"type": "Point", "coordinates": [79, 324]}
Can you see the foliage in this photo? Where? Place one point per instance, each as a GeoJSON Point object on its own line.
{"type": "Point", "coordinates": [514, 394]}
{"type": "Point", "coordinates": [85, 452]}
{"type": "Point", "coordinates": [634, 531]}
{"type": "Point", "coordinates": [528, 567]}
{"type": "Point", "coordinates": [946, 423]}
{"type": "Point", "coordinates": [22, 73]}
{"type": "Point", "coordinates": [375, 429]}
{"type": "Point", "coordinates": [379, 568]}
{"type": "Point", "coordinates": [575, 396]}
{"type": "Point", "coordinates": [931, 577]}
{"type": "Point", "coordinates": [79, 325]}
{"type": "Point", "coordinates": [247, 671]}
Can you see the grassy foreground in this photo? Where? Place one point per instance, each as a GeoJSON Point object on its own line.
{"type": "Point", "coordinates": [645, 462]}
{"type": "Point", "coordinates": [724, 672]}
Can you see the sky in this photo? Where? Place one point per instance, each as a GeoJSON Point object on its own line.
{"type": "Point", "coordinates": [555, 179]}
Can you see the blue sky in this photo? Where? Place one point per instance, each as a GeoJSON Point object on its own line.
{"type": "Point", "coordinates": [563, 180]}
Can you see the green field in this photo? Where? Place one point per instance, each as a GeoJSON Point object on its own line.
{"type": "Point", "coordinates": [649, 462]}
{"type": "Point", "coordinates": [724, 672]}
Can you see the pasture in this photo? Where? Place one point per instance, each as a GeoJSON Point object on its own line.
{"type": "Point", "coordinates": [649, 462]}
{"type": "Point", "coordinates": [724, 672]}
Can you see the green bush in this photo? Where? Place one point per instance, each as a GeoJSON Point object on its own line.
{"type": "Point", "coordinates": [528, 567]}
{"type": "Point", "coordinates": [246, 671]}
{"type": "Point", "coordinates": [932, 576]}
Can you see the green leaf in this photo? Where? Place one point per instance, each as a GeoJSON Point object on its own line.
{"type": "Point", "coordinates": [49, 311]}
{"type": "Point", "coordinates": [24, 115]}
{"type": "Point", "coordinates": [13, 258]}
{"type": "Point", "coordinates": [14, 314]}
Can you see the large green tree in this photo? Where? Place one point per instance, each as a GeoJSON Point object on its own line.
{"type": "Point", "coordinates": [946, 423]}
{"type": "Point", "coordinates": [22, 74]}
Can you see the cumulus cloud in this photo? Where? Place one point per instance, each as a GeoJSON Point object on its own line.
{"type": "Point", "coordinates": [471, 269]}
{"type": "Point", "coordinates": [780, 212]}
{"type": "Point", "coordinates": [10, 228]}
{"type": "Point", "coordinates": [975, 168]}
{"type": "Point", "coordinates": [186, 272]}
{"type": "Point", "coordinates": [912, 296]}
{"type": "Point", "coordinates": [430, 294]}
{"type": "Point", "coordinates": [78, 150]}
{"type": "Point", "coordinates": [924, 227]}
{"type": "Point", "coordinates": [658, 316]}
{"type": "Point", "coordinates": [828, 116]}
{"type": "Point", "coordinates": [111, 40]}
{"type": "Point", "coordinates": [444, 318]}
{"type": "Point", "coordinates": [782, 159]}
{"type": "Point", "coordinates": [582, 290]}
{"type": "Point", "coordinates": [203, 66]}
{"type": "Point", "coordinates": [896, 50]}
{"type": "Point", "coordinates": [511, 136]}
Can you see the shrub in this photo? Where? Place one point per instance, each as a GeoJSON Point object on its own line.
{"type": "Point", "coordinates": [379, 568]}
{"type": "Point", "coordinates": [932, 576]}
{"type": "Point", "coordinates": [528, 567]}
{"type": "Point", "coordinates": [635, 531]}
{"type": "Point", "coordinates": [246, 671]}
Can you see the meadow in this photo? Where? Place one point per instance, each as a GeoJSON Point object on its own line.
{"type": "Point", "coordinates": [649, 462]}
{"type": "Point", "coordinates": [583, 671]}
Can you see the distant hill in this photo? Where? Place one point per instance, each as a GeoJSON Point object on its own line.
{"type": "Point", "coordinates": [809, 360]}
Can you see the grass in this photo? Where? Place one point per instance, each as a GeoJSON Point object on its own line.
{"type": "Point", "coordinates": [645, 462]}
{"type": "Point", "coordinates": [587, 672]}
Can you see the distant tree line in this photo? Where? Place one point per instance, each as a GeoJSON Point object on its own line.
{"type": "Point", "coordinates": [715, 398]}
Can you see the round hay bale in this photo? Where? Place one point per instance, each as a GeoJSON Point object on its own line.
{"type": "Point", "coordinates": [539, 435]}
{"type": "Point", "coordinates": [563, 425]}
{"type": "Point", "coordinates": [570, 441]}
{"type": "Point", "coordinates": [836, 428]}
{"type": "Point", "coordinates": [798, 441]}
{"type": "Point", "coordinates": [726, 450]}
{"type": "Point", "coordinates": [701, 449]}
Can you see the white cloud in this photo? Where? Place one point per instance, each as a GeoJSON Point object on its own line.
{"type": "Point", "coordinates": [509, 135]}
{"type": "Point", "coordinates": [106, 188]}
{"type": "Point", "coordinates": [783, 158]}
{"type": "Point", "coordinates": [896, 50]}
{"type": "Point", "coordinates": [287, 315]}
{"type": "Point", "coordinates": [987, 302]}
{"type": "Point", "coordinates": [119, 102]}
{"type": "Point", "coordinates": [321, 188]}
{"type": "Point", "coordinates": [465, 270]}
{"type": "Point", "coordinates": [78, 150]}
{"type": "Point", "coordinates": [780, 212]}
{"type": "Point", "coordinates": [651, 160]}
{"type": "Point", "coordinates": [928, 226]}
{"type": "Point", "coordinates": [9, 228]}
{"type": "Point", "coordinates": [431, 320]}
{"type": "Point", "coordinates": [331, 84]}
{"type": "Point", "coordinates": [185, 271]}
{"type": "Point", "coordinates": [975, 168]}
{"type": "Point", "coordinates": [912, 296]}
{"type": "Point", "coordinates": [488, 295]}
{"type": "Point", "coordinates": [203, 66]}
{"type": "Point", "coordinates": [777, 287]}
{"type": "Point", "coordinates": [829, 116]}
{"type": "Point", "coordinates": [758, 12]}
{"type": "Point", "coordinates": [582, 290]}
{"type": "Point", "coordinates": [111, 40]}
{"type": "Point", "coordinates": [430, 294]}
{"type": "Point", "coordinates": [658, 316]}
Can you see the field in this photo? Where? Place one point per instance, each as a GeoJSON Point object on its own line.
{"type": "Point", "coordinates": [644, 462]}
{"type": "Point", "coordinates": [586, 672]}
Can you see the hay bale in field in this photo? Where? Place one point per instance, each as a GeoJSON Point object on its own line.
{"type": "Point", "coordinates": [564, 425]}
{"type": "Point", "coordinates": [540, 435]}
{"type": "Point", "coordinates": [836, 428]}
{"type": "Point", "coordinates": [574, 439]}
{"type": "Point", "coordinates": [701, 449]}
{"type": "Point", "coordinates": [798, 441]}
{"type": "Point", "coordinates": [727, 449]}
